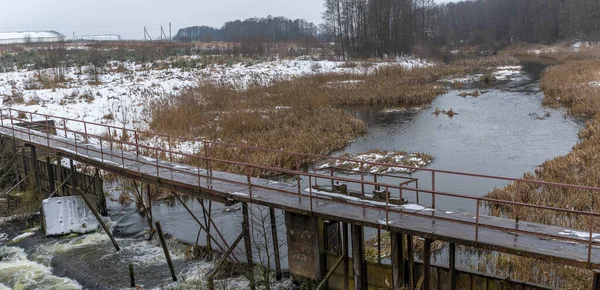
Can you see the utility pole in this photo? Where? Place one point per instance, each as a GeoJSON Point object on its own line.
{"type": "Point", "coordinates": [170, 37]}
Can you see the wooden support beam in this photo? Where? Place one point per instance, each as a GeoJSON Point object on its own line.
{"type": "Point", "coordinates": [208, 235]}
{"type": "Point", "coordinates": [398, 278]}
{"type": "Point", "coordinates": [273, 218]}
{"type": "Point", "coordinates": [51, 179]}
{"type": "Point", "coordinates": [131, 276]}
{"type": "Point", "coordinates": [98, 218]}
{"type": "Point", "coordinates": [34, 166]}
{"type": "Point", "coordinates": [73, 176]}
{"type": "Point", "coordinates": [452, 266]}
{"type": "Point", "coordinates": [59, 174]}
{"type": "Point", "coordinates": [248, 245]}
{"type": "Point", "coordinates": [25, 168]}
{"type": "Point", "coordinates": [331, 271]}
{"type": "Point", "coordinates": [149, 194]}
{"type": "Point", "coordinates": [411, 261]}
{"type": "Point", "coordinates": [358, 258]}
{"type": "Point", "coordinates": [166, 250]}
{"type": "Point", "coordinates": [345, 253]}
{"type": "Point", "coordinates": [211, 275]}
{"type": "Point", "coordinates": [427, 264]}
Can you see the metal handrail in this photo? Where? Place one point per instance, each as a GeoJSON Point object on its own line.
{"type": "Point", "coordinates": [169, 153]}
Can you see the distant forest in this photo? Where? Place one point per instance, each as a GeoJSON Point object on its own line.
{"type": "Point", "coordinates": [270, 29]}
{"type": "Point", "coordinates": [391, 27]}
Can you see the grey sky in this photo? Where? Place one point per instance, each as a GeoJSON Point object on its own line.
{"type": "Point", "coordinates": [128, 17]}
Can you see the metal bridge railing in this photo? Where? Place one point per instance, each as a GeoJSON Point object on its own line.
{"type": "Point", "coordinates": [133, 147]}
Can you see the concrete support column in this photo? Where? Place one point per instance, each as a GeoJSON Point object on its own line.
{"type": "Point", "coordinates": [306, 255]}
{"type": "Point", "coordinates": [358, 258]}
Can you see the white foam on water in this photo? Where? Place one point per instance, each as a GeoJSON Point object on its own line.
{"type": "Point", "coordinates": [18, 272]}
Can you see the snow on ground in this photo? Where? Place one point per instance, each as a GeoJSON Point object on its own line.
{"type": "Point", "coordinates": [120, 95]}
{"type": "Point", "coordinates": [68, 214]}
{"type": "Point", "coordinates": [500, 73]}
{"type": "Point", "coordinates": [265, 73]}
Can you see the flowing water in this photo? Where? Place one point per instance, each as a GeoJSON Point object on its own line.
{"type": "Point", "coordinates": [505, 131]}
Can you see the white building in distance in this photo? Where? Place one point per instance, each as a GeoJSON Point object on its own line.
{"type": "Point", "coordinates": [30, 37]}
{"type": "Point", "coordinates": [102, 37]}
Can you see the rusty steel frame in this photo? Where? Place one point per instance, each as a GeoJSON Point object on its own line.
{"type": "Point", "coordinates": [169, 154]}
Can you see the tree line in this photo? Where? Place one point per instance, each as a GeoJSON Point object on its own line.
{"type": "Point", "coordinates": [269, 29]}
{"type": "Point", "coordinates": [368, 28]}
{"type": "Point", "coordinates": [392, 27]}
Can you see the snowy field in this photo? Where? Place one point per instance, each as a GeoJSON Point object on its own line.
{"type": "Point", "coordinates": [120, 95]}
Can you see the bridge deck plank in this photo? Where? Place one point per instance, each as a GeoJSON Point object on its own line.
{"type": "Point", "coordinates": [184, 178]}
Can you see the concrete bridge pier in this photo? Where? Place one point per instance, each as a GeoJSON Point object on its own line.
{"type": "Point", "coordinates": [306, 254]}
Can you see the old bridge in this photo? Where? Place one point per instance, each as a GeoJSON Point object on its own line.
{"type": "Point", "coordinates": [316, 199]}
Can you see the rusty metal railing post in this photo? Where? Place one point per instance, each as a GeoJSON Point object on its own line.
{"type": "Point", "coordinates": [516, 208]}
{"type": "Point", "coordinates": [310, 192]}
{"type": "Point", "coordinates": [137, 147]}
{"type": "Point", "coordinates": [199, 178]}
{"type": "Point", "coordinates": [433, 189]}
{"type": "Point", "coordinates": [591, 240]}
{"type": "Point", "coordinates": [65, 127]}
{"type": "Point", "coordinates": [299, 188]}
{"type": "Point", "coordinates": [157, 167]}
{"type": "Point", "coordinates": [12, 124]}
{"type": "Point", "coordinates": [332, 175]}
{"type": "Point", "coordinates": [387, 206]}
{"type": "Point", "coordinates": [75, 137]}
{"type": "Point", "coordinates": [110, 138]}
{"type": "Point", "coordinates": [123, 154]}
{"type": "Point", "coordinates": [170, 149]}
{"type": "Point", "coordinates": [47, 132]}
{"type": "Point", "coordinates": [29, 127]}
{"type": "Point", "coordinates": [362, 179]}
{"type": "Point", "coordinates": [85, 131]}
{"type": "Point", "coordinates": [101, 149]}
{"type": "Point", "coordinates": [477, 223]}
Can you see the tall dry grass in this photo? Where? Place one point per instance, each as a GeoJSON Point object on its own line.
{"type": "Point", "coordinates": [299, 115]}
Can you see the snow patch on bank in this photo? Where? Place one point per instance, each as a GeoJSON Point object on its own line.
{"type": "Point", "coordinates": [66, 215]}
{"type": "Point", "coordinates": [392, 159]}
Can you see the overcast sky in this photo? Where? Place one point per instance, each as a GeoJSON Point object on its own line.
{"type": "Point", "coordinates": [128, 17]}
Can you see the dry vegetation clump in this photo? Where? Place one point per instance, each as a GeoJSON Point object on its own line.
{"type": "Point", "coordinates": [399, 158]}
{"type": "Point", "coordinates": [386, 247]}
{"type": "Point", "coordinates": [291, 116]}
{"type": "Point", "coordinates": [299, 115]}
{"type": "Point", "coordinates": [531, 270]}
{"type": "Point", "coordinates": [575, 84]}
{"type": "Point", "coordinates": [488, 61]}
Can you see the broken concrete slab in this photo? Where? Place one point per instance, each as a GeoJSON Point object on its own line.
{"type": "Point", "coordinates": [67, 215]}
